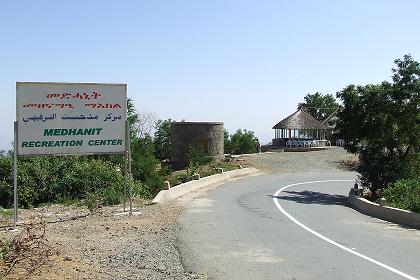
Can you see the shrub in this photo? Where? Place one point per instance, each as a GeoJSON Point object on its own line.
{"type": "Point", "coordinates": [145, 165]}
{"type": "Point", "coordinates": [92, 201]}
{"type": "Point", "coordinates": [196, 160]}
{"type": "Point", "coordinates": [58, 179]}
{"type": "Point", "coordinates": [141, 190]}
{"type": "Point", "coordinates": [404, 194]}
{"type": "Point", "coordinates": [241, 142]}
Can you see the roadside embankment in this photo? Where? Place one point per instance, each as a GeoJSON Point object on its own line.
{"type": "Point", "coordinates": [386, 213]}
{"type": "Point", "coordinates": [182, 189]}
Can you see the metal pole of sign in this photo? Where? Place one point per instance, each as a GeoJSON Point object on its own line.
{"type": "Point", "coordinates": [130, 177]}
{"type": "Point", "coordinates": [125, 179]}
{"type": "Point", "coordinates": [15, 193]}
{"type": "Point", "coordinates": [126, 164]}
{"type": "Point", "coordinates": [130, 186]}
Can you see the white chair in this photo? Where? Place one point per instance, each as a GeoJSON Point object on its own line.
{"type": "Point", "coordinates": [300, 143]}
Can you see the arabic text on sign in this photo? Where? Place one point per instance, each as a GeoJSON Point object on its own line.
{"type": "Point", "coordinates": [40, 118]}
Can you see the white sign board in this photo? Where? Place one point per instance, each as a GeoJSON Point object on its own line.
{"type": "Point", "coordinates": [70, 118]}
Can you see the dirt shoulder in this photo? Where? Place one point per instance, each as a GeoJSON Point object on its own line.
{"type": "Point", "coordinates": [108, 246]}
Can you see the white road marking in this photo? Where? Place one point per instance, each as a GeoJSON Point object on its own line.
{"type": "Point", "coordinates": [276, 202]}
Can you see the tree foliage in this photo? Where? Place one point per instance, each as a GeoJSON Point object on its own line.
{"type": "Point", "coordinates": [228, 148]}
{"type": "Point", "coordinates": [320, 106]}
{"type": "Point", "coordinates": [133, 118]}
{"type": "Point", "coordinates": [241, 142]}
{"type": "Point", "coordinates": [382, 124]}
{"type": "Point", "coordinates": [143, 160]}
{"type": "Point", "coordinates": [162, 139]}
{"type": "Point", "coordinates": [144, 165]}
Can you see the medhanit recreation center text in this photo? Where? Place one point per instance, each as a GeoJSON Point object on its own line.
{"type": "Point", "coordinates": [65, 118]}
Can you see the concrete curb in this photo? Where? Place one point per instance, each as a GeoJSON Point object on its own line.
{"type": "Point", "coordinates": [185, 188]}
{"type": "Point", "coordinates": [386, 213]}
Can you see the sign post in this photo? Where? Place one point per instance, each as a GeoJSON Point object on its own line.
{"type": "Point", "coordinates": [69, 119]}
{"type": "Point", "coordinates": [130, 177]}
{"type": "Point", "coordinates": [15, 194]}
{"type": "Point", "coordinates": [127, 170]}
{"type": "Point", "coordinates": [125, 178]}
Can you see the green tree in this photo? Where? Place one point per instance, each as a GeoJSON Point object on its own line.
{"type": "Point", "coordinates": [162, 139]}
{"type": "Point", "coordinates": [320, 106]}
{"type": "Point", "coordinates": [381, 123]}
{"type": "Point", "coordinates": [144, 165]}
{"type": "Point", "coordinates": [143, 160]}
{"type": "Point", "coordinates": [133, 118]}
{"type": "Point", "coordinates": [227, 143]}
{"type": "Point", "coordinates": [243, 142]}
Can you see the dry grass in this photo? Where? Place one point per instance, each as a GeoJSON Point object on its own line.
{"type": "Point", "coordinates": [26, 252]}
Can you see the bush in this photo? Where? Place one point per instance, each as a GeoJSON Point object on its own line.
{"type": "Point", "coordinates": [196, 160]}
{"type": "Point", "coordinates": [92, 201]}
{"type": "Point", "coordinates": [59, 179]}
{"type": "Point", "coordinates": [145, 166]}
{"type": "Point", "coordinates": [404, 194]}
{"type": "Point", "coordinates": [242, 142]}
{"type": "Point", "coordinates": [141, 190]}
{"type": "Point", "coordinates": [380, 168]}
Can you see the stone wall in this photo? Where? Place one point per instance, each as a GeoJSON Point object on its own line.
{"type": "Point", "coordinates": [386, 213]}
{"type": "Point", "coordinates": [207, 136]}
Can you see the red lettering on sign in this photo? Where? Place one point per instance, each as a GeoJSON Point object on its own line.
{"type": "Point", "coordinates": [103, 106]}
{"type": "Point", "coordinates": [77, 95]}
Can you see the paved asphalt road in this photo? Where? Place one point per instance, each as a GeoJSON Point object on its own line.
{"type": "Point", "coordinates": [236, 231]}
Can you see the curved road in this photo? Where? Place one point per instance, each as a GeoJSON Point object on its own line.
{"type": "Point", "coordinates": [242, 230]}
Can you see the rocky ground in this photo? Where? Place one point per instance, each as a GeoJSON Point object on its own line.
{"type": "Point", "coordinates": [109, 244]}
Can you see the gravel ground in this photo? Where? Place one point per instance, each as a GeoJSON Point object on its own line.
{"type": "Point", "coordinates": [109, 245]}
{"type": "Point", "coordinates": [331, 159]}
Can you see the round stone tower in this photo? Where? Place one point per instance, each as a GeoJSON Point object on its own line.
{"type": "Point", "coordinates": [206, 136]}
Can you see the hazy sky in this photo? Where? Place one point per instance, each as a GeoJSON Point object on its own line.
{"type": "Point", "coordinates": [246, 63]}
